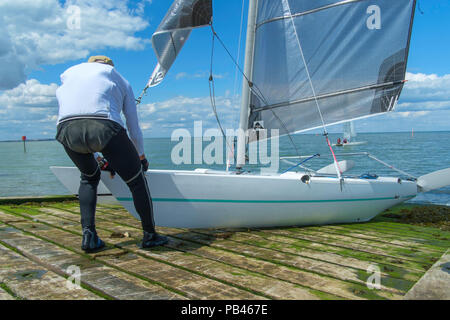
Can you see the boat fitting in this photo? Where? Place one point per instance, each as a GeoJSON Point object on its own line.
{"type": "Point", "coordinates": [306, 179]}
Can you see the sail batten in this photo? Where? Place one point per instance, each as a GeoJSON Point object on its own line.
{"type": "Point", "coordinates": [306, 12]}
{"type": "Point", "coordinates": [328, 95]}
{"type": "Point", "coordinates": [352, 60]}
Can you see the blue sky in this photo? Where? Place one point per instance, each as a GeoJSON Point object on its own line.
{"type": "Point", "coordinates": [36, 47]}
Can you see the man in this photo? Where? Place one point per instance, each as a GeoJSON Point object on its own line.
{"type": "Point", "coordinates": [91, 98]}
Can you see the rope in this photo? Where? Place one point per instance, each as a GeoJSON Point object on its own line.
{"type": "Point", "coordinates": [302, 162]}
{"type": "Point", "coordinates": [325, 133]}
{"type": "Point", "coordinates": [212, 94]}
{"type": "Point", "coordinates": [309, 171]}
{"type": "Point", "coordinates": [239, 47]}
{"type": "Point", "coordinates": [144, 92]}
{"type": "Point", "coordinates": [367, 154]}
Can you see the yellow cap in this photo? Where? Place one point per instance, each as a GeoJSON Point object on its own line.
{"type": "Point", "coordinates": [101, 59]}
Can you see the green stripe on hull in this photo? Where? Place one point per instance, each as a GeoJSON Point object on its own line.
{"type": "Point", "coordinates": [266, 201]}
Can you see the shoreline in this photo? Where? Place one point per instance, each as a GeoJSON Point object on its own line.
{"type": "Point", "coordinates": [36, 199]}
{"type": "Point", "coordinates": [419, 214]}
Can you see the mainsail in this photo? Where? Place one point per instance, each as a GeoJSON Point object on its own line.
{"type": "Point", "coordinates": [355, 53]}
{"type": "Point", "coordinates": [173, 32]}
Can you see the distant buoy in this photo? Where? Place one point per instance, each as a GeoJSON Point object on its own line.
{"type": "Point", "coordinates": [24, 139]}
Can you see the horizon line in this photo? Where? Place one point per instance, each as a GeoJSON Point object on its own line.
{"type": "Point", "coordinates": [303, 133]}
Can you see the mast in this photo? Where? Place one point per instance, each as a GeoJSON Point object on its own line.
{"type": "Point", "coordinates": [248, 72]}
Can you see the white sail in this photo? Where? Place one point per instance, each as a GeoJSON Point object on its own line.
{"type": "Point", "coordinates": [349, 131]}
{"type": "Point", "coordinates": [173, 32]}
{"type": "Point", "coordinates": [347, 57]}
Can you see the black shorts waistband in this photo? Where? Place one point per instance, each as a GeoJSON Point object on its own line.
{"type": "Point", "coordinates": [84, 116]}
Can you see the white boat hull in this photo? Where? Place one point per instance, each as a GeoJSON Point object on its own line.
{"type": "Point", "coordinates": [350, 144]}
{"type": "Point", "coordinates": [190, 199]}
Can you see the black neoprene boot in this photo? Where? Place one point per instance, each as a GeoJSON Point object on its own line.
{"type": "Point", "coordinates": [152, 239]}
{"type": "Point", "coordinates": [91, 242]}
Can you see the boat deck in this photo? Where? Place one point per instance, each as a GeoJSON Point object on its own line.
{"type": "Point", "coordinates": [40, 244]}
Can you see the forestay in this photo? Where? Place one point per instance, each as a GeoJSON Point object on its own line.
{"type": "Point", "coordinates": [173, 32]}
{"type": "Point", "coordinates": [355, 50]}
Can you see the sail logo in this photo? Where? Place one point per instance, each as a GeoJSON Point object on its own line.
{"type": "Point", "coordinates": [157, 76]}
{"type": "Point", "coordinates": [374, 20]}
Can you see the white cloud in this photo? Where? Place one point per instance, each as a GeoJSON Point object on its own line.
{"type": "Point", "coordinates": [424, 95]}
{"type": "Point", "coordinates": [426, 88]}
{"type": "Point", "coordinates": [31, 94]}
{"type": "Point", "coordinates": [181, 75]}
{"type": "Point", "coordinates": [140, 7]}
{"type": "Point", "coordinates": [37, 32]}
{"type": "Point", "coordinates": [181, 112]}
{"type": "Point", "coordinates": [424, 105]}
{"type": "Point", "coordinates": [29, 104]}
{"type": "Point", "coordinates": [199, 75]}
{"type": "Point", "coordinates": [410, 114]}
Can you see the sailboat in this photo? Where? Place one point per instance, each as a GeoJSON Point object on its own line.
{"type": "Point", "coordinates": [308, 64]}
{"type": "Point", "coordinates": [349, 137]}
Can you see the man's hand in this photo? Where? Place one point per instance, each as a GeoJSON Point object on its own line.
{"type": "Point", "coordinates": [105, 166]}
{"type": "Point", "coordinates": [145, 164]}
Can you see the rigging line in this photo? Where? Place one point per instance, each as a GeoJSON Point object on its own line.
{"type": "Point", "coordinates": [250, 84]}
{"type": "Point", "coordinates": [287, 132]}
{"type": "Point", "coordinates": [306, 67]}
{"type": "Point", "coordinates": [239, 47]}
{"type": "Point", "coordinates": [338, 169]}
{"type": "Point", "coordinates": [144, 92]}
{"type": "Point", "coordinates": [420, 9]}
{"type": "Point", "coordinates": [309, 171]}
{"type": "Point", "coordinates": [301, 162]}
{"type": "Point", "coordinates": [212, 93]}
{"type": "Point", "coordinates": [252, 87]}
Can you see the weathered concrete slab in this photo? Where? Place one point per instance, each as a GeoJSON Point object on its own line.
{"type": "Point", "coordinates": [329, 262]}
{"type": "Point", "coordinates": [326, 264]}
{"type": "Point", "coordinates": [325, 284]}
{"type": "Point", "coordinates": [107, 280]}
{"type": "Point", "coordinates": [435, 284]}
{"type": "Point", "coordinates": [348, 244]}
{"type": "Point", "coordinates": [5, 295]}
{"type": "Point", "coordinates": [29, 280]}
{"type": "Point", "coordinates": [193, 286]}
{"type": "Point", "coordinates": [377, 240]}
{"type": "Point", "coordinates": [285, 245]}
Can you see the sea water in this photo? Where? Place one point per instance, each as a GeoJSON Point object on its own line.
{"type": "Point", "coordinates": [28, 174]}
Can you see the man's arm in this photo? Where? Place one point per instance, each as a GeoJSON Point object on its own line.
{"type": "Point", "coordinates": [130, 111]}
{"type": "Point", "coordinates": [131, 117]}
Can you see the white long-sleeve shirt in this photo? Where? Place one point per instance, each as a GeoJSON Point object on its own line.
{"type": "Point", "coordinates": [95, 90]}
